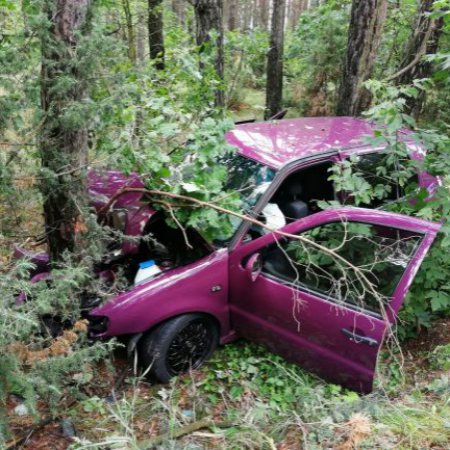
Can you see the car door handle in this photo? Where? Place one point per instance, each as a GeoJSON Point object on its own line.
{"type": "Point", "coordinates": [358, 339]}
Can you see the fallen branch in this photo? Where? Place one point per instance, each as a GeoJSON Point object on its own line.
{"type": "Point", "coordinates": [203, 204]}
{"type": "Point", "coordinates": [18, 441]}
{"type": "Point", "coordinates": [207, 422]}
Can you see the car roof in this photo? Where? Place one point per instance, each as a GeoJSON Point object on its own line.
{"type": "Point", "coordinates": [278, 142]}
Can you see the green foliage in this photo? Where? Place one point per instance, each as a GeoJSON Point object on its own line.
{"type": "Point", "coordinates": [261, 401]}
{"type": "Point", "coordinates": [26, 367]}
{"type": "Point", "coordinates": [314, 55]}
{"type": "Point", "coordinates": [141, 119]}
{"type": "Point", "coordinates": [245, 55]}
{"type": "Point", "coordinates": [430, 294]}
{"type": "Point", "coordinates": [440, 357]}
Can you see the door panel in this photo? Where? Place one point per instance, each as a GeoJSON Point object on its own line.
{"type": "Point", "coordinates": [339, 340]}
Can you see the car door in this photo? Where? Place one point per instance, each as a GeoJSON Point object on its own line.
{"type": "Point", "coordinates": [324, 290]}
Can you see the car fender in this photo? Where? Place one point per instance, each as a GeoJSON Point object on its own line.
{"type": "Point", "coordinates": [200, 287]}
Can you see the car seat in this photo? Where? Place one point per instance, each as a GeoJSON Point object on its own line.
{"type": "Point", "coordinates": [290, 203]}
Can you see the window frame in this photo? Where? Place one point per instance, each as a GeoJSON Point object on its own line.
{"type": "Point", "coordinates": [328, 298]}
{"type": "Point", "coordinates": [345, 155]}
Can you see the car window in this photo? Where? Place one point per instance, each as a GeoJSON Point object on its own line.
{"type": "Point", "coordinates": [248, 178]}
{"type": "Point", "coordinates": [380, 253]}
{"type": "Point", "coordinates": [372, 168]}
{"type": "Point", "coordinates": [245, 177]}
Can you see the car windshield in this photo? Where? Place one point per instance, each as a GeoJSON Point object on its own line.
{"type": "Point", "coordinates": [250, 179]}
{"type": "Point", "coordinates": [247, 177]}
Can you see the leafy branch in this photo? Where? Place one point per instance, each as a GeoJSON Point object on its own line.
{"type": "Point", "coordinates": [362, 277]}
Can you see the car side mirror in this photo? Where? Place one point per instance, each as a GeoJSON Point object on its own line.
{"type": "Point", "coordinates": [254, 266]}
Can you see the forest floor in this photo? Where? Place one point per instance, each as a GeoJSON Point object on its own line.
{"type": "Point", "coordinates": [247, 398]}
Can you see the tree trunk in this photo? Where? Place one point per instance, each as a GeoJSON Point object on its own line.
{"type": "Point", "coordinates": [155, 32]}
{"type": "Point", "coordinates": [233, 14]}
{"type": "Point", "coordinates": [246, 12]}
{"type": "Point", "coordinates": [141, 40]}
{"type": "Point", "coordinates": [64, 137]}
{"type": "Point", "coordinates": [131, 33]}
{"type": "Point", "coordinates": [263, 16]}
{"type": "Point", "coordinates": [179, 10]}
{"type": "Point", "coordinates": [209, 15]}
{"type": "Point", "coordinates": [364, 35]}
{"type": "Point", "coordinates": [274, 86]}
{"type": "Point", "coordinates": [295, 12]}
{"type": "Point", "coordinates": [424, 40]}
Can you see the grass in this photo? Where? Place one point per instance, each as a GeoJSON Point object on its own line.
{"type": "Point", "coordinates": [260, 401]}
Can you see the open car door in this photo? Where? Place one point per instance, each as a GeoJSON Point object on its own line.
{"type": "Point", "coordinates": [325, 293]}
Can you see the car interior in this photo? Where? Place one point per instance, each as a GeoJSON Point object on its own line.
{"type": "Point", "coordinates": [387, 251]}
{"type": "Point", "coordinates": [299, 193]}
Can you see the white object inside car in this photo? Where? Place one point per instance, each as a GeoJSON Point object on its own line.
{"type": "Point", "coordinates": [274, 217]}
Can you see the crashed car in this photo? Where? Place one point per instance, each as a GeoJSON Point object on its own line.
{"type": "Point", "coordinates": [284, 290]}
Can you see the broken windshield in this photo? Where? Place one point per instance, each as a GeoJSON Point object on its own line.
{"type": "Point", "coordinates": [248, 177]}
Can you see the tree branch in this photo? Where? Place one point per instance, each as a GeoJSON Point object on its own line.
{"type": "Point", "coordinates": [187, 429]}
{"type": "Point", "coordinates": [200, 203]}
{"type": "Point", "coordinates": [418, 57]}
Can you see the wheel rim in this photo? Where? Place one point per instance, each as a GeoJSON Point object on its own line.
{"type": "Point", "coordinates": [190, 347]}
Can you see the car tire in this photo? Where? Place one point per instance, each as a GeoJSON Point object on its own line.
{"type": "Point", "coordinates": [177, 346]}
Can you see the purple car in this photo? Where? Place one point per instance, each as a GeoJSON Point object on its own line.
{"type": "Point", "coordinates": [288, 290]}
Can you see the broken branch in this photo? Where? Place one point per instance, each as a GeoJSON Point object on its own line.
{"type": "Point", "coordinates": [201, 203]}
{"type": "Point", "coordinates": [182, 431]}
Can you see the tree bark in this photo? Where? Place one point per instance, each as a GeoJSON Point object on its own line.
{"type": "Point", "coordinates": [141, 40]}
{"type": "Point", "coordinates": [179, 10]}
{"type": "Point", "coordinates": [246, 13]}
{"type": "Point", "coordinates": [424, 40]}
{"type": "Point", "coordinates": [64, 137]}
{"type": "Point", "coordinates": [295, 12]}
{"type": "Point", "coordinates": [364, 36]}
{"type": "Point", "coordinates": [274, 85]}
{"type": "Point", "coordinates": [209, 17]}
{"type": "Point", "coordinates": [263, 16]}
{"type": "Point", "coordinates": [155, 32]}
{"type": "Point", "coordinates": [233, 14]}
{"type": "Point", "coordinates": [131, 33]}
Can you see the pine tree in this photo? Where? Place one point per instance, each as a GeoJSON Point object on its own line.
{"type": "Point", "coordinates": [274, 86]}
{"type": "Point", "coordinates": [64, 134]}
{"type": "Point", "coordinates": [364, 35]}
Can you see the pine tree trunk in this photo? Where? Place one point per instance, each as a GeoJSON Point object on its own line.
{"type": "Point", "coordinates": [64, 138]}
{"type": "Point", "coordinates": [233, 14]}
{"type": "Point", "coordinates": [295, 12]}
{"type": "Point", "coordinates": [264, 10]}
{"type": "Point", "coordinates": [274, 86]}
{"type": "Point", "coordinates": [246, 12]}
{"type": "Point", "coordinates": [255, 14]}
{"type": "Point", "coordinates": [209, 17]}
{"type": "Point", "coordinates": [424, 40]}
{"type": "Point", "coordinates": [155, 32]}
{"type": "Point", "coordinates": [179, 10]}
{"type": "Point", "coordinates": [131, 33]}
{"type": "Point", "coordinates": [141, 40]}
{"type": "Point", "coordinates": [364, 35]}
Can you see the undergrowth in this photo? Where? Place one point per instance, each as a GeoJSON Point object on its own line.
{"type": "Point", "coordinates": [259, 401]}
